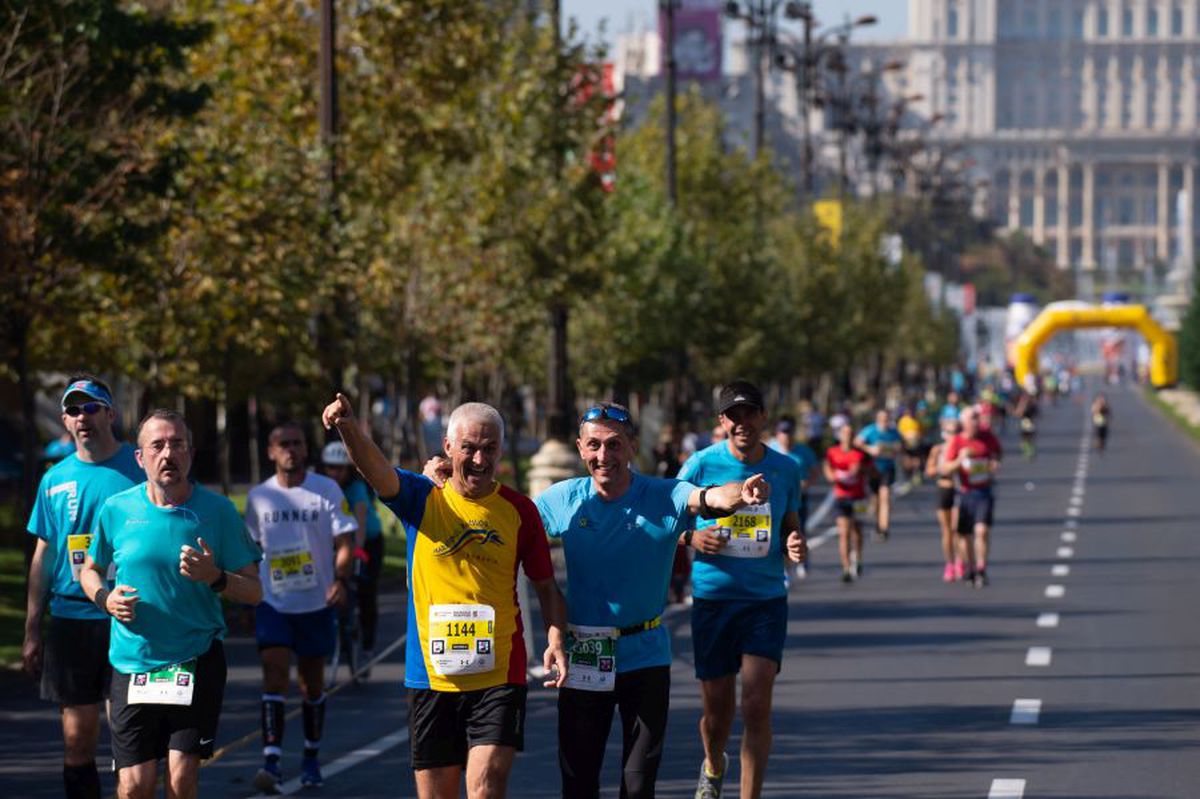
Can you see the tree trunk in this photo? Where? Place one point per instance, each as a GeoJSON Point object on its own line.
{"type": "Point", "coordinates": [252, 429]}
{"type": "Point", "coordinates": [30, 473]}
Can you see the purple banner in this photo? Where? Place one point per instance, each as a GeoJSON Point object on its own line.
{"type": "Point", "coordinates": [697, 40]}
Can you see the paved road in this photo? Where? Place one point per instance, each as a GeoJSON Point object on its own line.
{"type": "Point", "coordinates": [899, 685]}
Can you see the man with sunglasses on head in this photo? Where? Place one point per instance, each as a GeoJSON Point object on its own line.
{"type": "Point", "coordinates": [619, 531]}
{"type": "Point", "coordinates": [308, 543]}
{"type": "Point", "coordinates": [72, 657]}
{"type": "Point", "coordinates": [465, 668]}
{"type": "Point", "coordinates": [739, 615]}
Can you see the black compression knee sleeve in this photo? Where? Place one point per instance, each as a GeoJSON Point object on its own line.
{"type": "Point", "coordinates": [272, 724]}
{"type": "Point", "coordinates": [314, 724]}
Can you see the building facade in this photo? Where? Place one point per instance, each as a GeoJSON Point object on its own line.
{"type": "Point", "coordinates": [1081, 117]}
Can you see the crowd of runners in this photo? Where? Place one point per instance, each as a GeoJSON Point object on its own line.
{"type": "Point", "coordinates": [133, 559]}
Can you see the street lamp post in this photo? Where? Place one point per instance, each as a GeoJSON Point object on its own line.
{"type": "Point", "coordinates": [668, 7]}
{"type": "Point", "coordinates": [804, 59]}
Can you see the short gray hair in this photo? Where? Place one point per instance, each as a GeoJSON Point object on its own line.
{"type": "Point", "coordinates": [165, 415]}
{"type": "Point", "coordinates": [474, 412]}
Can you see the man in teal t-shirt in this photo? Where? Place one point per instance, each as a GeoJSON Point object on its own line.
{"type": "Point", "coordinates": [72, 658]}
{"type": "Point", "coordinates": [739, 612]}
{"type": "Point", "coordinates": [176, 548]}
{"type": "Point", "coordinates": [883, 442]}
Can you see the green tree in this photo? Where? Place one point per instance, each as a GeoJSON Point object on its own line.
{"type": "Point", "coordinates": [90, 91]}
{"type": "Point", "coordinates": [1189, 340]}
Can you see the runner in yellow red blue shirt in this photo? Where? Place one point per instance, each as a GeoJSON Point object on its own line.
{"type": "Point", "coordinates": [465, 664]}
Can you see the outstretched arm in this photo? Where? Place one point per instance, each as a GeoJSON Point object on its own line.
{"type": "Point", "coordinates": [729, 498]}
{"type": "Point", "coordinates": [364, 454]}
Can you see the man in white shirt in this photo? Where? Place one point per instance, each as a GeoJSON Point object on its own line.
{"type": "Point", "coordinates": [308, 559]}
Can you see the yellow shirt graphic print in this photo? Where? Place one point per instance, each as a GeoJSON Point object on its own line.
{"type": "Point", "coordinates": [463, 590]}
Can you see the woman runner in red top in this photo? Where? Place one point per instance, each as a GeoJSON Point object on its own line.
{"type": "Point", "coordinates": [847, 469]}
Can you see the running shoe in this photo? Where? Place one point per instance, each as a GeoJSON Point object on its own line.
{"type": "Point", "coordinates": [847, 577]}
{"type": "Point", "coordinates": [310, 773]}
{"type": "Point", "coordinates": [709, 785]}
{"type": "Point", "coordinates": [948, 573]}
{"type": "Point", "coordinates": [858, 569]}
{"type": "Point", "coordinates": [981, 578]}
{"type": "Point", "coordinates": [959, 571]}
{"type": "Point", "coordinates": [269, 778]}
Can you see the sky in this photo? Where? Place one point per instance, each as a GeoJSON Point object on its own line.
{"type": "Point", "coordinates": [622, 15]}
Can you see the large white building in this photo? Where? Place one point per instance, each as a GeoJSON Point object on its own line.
{"type": "Point", "coordinates": [1082, 116]}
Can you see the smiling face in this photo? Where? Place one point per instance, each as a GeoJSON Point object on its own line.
{"type": "Point", "coordinates": [743, 425]}
{"type": "Point", "coordinates": [164, 452]}
{"type": "Point", "coordinates": [607, 449]}
{"type": "Point", "coordinates": [474, 450]}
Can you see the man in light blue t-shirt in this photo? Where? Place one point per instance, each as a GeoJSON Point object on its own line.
{"type": "Point", "coordinates": [177, 548]}
{"type": "Point", "coordinates": [883, 442]}
{"type": "Point", "coordinates": [739, 612]}
{"type": "Point", "coordinates": [619, 531]}
{"type": "Point", "coordinates": [72, 658]}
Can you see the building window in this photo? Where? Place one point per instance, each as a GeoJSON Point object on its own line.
{"type": "Point", "coordinates": [952, 23]}
{"type": "Point", "coordinates": [1152, 22]}
{"type": "Point", "coordinates": [1176, 19]}
{"type": "Point", "coordinates": [1026, 215]}
{"type": "Point", "coordinates": [1054, 28]}
{"type": "Point", "coordinates": [1127, 22]}
{"type": "Point", "coordinates": [1102, 23]}
{"type": "Point", "coordinates": [1051, 206]}
{"type": "Point", "coordinates": [1030, 20]}
{"type": "Point", "coordinates": [1078, 22]}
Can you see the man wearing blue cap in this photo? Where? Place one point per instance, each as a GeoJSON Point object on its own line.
{"type": "Point", "coordinates": [72, 657]}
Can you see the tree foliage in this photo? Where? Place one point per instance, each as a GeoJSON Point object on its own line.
{"type": "Point", "coordinates": [213, 249]}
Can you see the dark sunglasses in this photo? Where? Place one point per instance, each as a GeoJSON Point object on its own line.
{"type": "Point", "coordinates": [607, 412]}
{"type": "Point", "coordinates": [88, 407]}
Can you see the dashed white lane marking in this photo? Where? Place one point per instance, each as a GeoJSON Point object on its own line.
{"type": "Point", "coordinates": [1065, 552]}
{"type": "Point", "coordinates": [1073, 511]}
{"type": "Point", "coordinates": [1069, 537]}
{"type": "Point", "coordinates": [1077, 490]}
{"type": "Point", "coordinates": [1007, 789]}
{"type": "Point", "coordinates": [1047, 620]}
{"type": "Point", "coordinates": [1060, 570]}
{"type": "Point", "coordinates": [1076, 501]}
{"type": "Point", "coordinates": [1038, 656]}
{"type": "Point", "coordinates": [1025, 711]}
{"type": "Point", "coordinates": [1055, 591]}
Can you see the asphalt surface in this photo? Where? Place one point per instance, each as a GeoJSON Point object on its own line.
{"type": "Point", "coordinates": [896, 686]}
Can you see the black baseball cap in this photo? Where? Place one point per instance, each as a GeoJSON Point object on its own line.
{"type": "Point", "coordinates": [739, 392]}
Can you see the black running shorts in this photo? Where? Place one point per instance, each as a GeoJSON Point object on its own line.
{"type": "Point", "coordinates": [75, 668]}
{"type": "Point", "coordinates": [143, 732]}
{"type": "Point", "coordinates": [444, 725]}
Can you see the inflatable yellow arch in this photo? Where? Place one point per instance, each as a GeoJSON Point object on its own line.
{"type": "Point", "coordinates": [1164, 354]}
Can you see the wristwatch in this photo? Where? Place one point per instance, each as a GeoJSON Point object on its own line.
{"type": "Point", "coordinates": [218, 585]}
{"type": "Point", "coordinates": [687, 538]}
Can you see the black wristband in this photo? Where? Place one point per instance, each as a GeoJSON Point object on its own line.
{"type": "Point", "coordinates": [218, 585]}
{"type": "Point", "coordinates": [687, 538]}
{"type": "Point", "coordinates": [101, 599]}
